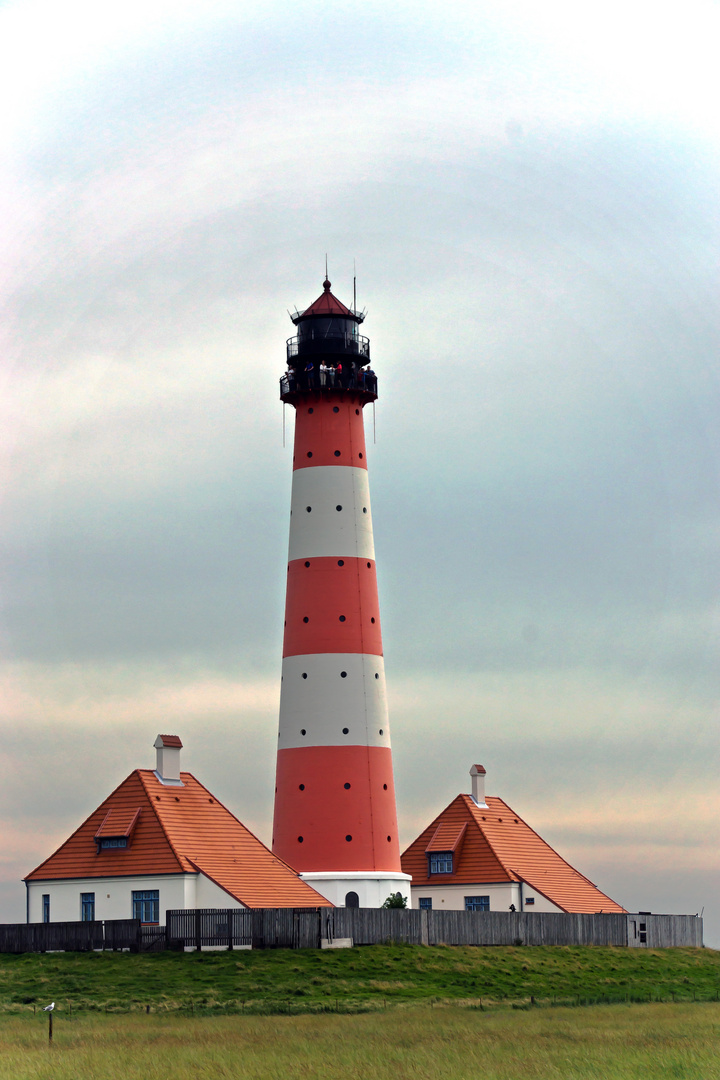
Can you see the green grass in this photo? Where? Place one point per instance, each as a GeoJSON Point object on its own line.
{"type": "Point", "coordinates": [662, 1042]}
{"type": "Point", "coordinates": [351, 980]}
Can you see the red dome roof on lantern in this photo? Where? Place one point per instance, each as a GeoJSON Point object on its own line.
{"type": "Point", "coordinates": [326, 306]}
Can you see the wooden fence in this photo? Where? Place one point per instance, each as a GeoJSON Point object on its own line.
{"type": "Point", "coordinates": [304, 928]}
{"type": "Point", "coordinates": [202, 928]}
{"type": "Point", "coordinates": [70, 936]}
{"type": "Point", "coordinates": [664, 931]}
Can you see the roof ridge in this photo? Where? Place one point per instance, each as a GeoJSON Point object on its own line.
{"type": "Point", "coordinates": [82, 824]}
{"type": "Point", "coordinates": [556, 853]}
{"type": "Point", "coordinates": [180, 858]}
{"type": "Point", "coordinates": [201, 869]}
{"type": "Point", "coordinates": [248, 831]}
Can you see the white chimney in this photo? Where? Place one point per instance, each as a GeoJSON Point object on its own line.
{"type": "Point", "coordinates": [477, 773]}
{"type": "Point", "coordinates": [168, 759]}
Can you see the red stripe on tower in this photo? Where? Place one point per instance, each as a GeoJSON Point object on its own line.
{"type": "Point", "coordinates": [335, 816]}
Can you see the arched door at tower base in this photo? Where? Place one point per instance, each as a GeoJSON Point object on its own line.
{"type": "Point", "coordinates": [352, 900]}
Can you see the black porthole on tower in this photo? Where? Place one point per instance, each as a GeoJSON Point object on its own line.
{"type": "Point", "coordinates": [348, 838]}
{"type": "Point", "coordinates": [335, 408]}
{"type": "Point", "coordinates": [338, 507]}
{"type": "Point", "coordinates": [304, 674]}
{"type": "Point", "coordinates": [364, 509]}
{"type": "Point", "coordinates": [305, 618]}
{"type": "Point", "coordinates": [309, 453]}
{"type": "Point", "coordinates": [377, 675]}
{"type": "Point", "coordinates": [307, 564]}
{"type": "Point", "coordinates": [342, 618]}
{"type": "Point", "coordinates": [380, 731]}
{"type": "Point", "coordinates": [300, 839]}
{"type": "Point", "coordinates": [369, 566]}
{"type": "Point", "coordinates": [343, 674]}
{"type": "Point", "coordinates": [301, 787]}
{"type": "Point", "coordinates": [388, 839]}
{"type": "Point", "coordinates": [310, 409]}
{"type": "Point", "coordinates": [372, 619]}
{"type": "Point", "coordinates": [346, 731]}
{"type": "Point", "coordinates": [384, 787]}
{"type": "Point", "coordinates": [337, 453]}
{"type": "Point", "coordinates": [309, 509]}
{"type": "Point", "coordinates": [346, 786]}
{"type": "Point", "coordinates": [360, 456]}
{"type": "Point", "coordinates": [341, 562]}
{"type": "Point", "coordinates": [357, 412]}
{"type": "Point", "coordinates": [303, 731]}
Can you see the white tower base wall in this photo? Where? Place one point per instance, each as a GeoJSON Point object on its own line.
{"type": "Point", "coordinates": [372, 889]}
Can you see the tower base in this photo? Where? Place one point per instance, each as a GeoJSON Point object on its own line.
{"type": "Point", "coordinates": [371, 888]}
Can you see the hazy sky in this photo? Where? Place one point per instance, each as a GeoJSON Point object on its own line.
{"type": "Point", "coordinates": [530, 195]}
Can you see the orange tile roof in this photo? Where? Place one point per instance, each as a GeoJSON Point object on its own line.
{"type": "Point", "coordinates": [499, 847]}
{"type": "Point", "coordinates": [170, 740]}
{"type": "Point", "coordinates": [179, 830]}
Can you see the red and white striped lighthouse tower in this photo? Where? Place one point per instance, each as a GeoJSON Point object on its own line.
{"type": "Point", "coordinates": [335, 817]}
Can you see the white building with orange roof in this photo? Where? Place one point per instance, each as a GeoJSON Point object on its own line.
{"type": "Point", "coordinates": [161, 841]}
{"type": "Point", "coordinates": [479, 855]}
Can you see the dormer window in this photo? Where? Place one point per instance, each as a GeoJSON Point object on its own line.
{"type": "Point", "coordinates": [116, 830]}
{"type": "Point", "coordinates": [441, 862]}
{"type": "Point", "coordinates": [445, 847]}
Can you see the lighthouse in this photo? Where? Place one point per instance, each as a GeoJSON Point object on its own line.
{"type": "Point", "coordinates": [335, 819]}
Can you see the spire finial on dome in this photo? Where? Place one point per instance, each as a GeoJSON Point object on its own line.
{"type": "Point", "coordinates": [326, 283]}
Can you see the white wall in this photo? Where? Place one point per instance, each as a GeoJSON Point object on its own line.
{"type": "Point", "coordinates": [113, 895]}
{"type": "Point", "coordinates": [452, 897]}
{"type": "Point", "coordinates": [372, 889]}
{"type": "Point", "coordinates": [208, 894]}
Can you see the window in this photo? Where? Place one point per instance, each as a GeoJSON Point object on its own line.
{"type": "Point", "coordinates": [146, 906]}
{"type": "Point", "coordinates": [425, 903]}
{"type": "Point", "coordinates": [477, 903]}
{"type": "Point", "coordinates": [46, 907]}
{"type": "Point", "coordinates": [112, 842]}
{"type": "Point", "coordinates": [441, 862]}
{"type": "Point", "coordinates": [529, 900]}
{"type": "Point", "coordinates": [87, 906]}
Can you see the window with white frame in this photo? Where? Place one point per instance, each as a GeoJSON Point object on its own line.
{"type": "Point", "coordinates": [441, 862]}
{"type": "Point", "coordinates": [146, 905]}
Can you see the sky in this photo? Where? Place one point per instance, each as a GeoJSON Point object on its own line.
{"type": "Point", "coordinates": [528, 194]}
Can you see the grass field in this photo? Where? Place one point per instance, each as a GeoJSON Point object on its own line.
{"type": "Point", "coordinates": [612, 1042]}
{"type": "Point", "coordinates": [351, 980]}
